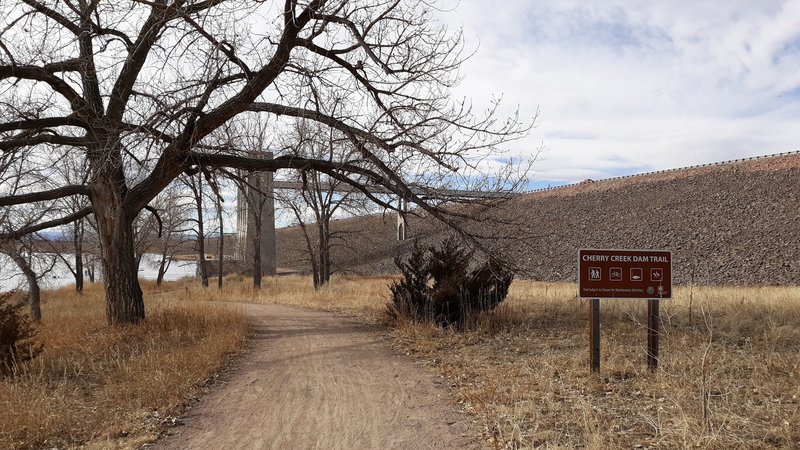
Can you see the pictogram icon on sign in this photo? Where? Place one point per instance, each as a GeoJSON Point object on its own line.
{"type": "Point", "coordinates": [594, 273]}
{"type": "Point", "coordinates": [615, 274]}
{"type": "Point", "coordinates": [656, 274]}
{"type": "Point", "coordinates": [636, 274]}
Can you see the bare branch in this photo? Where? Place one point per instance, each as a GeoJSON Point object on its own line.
{"type": "Point", "coordinates": [47, 122]}
{"type": "Point", "coordinates": [45, 225]}
{"type": "Point", "coordinates": [35, 73]}
{"type": "Point", "coordinates": [52, 194]}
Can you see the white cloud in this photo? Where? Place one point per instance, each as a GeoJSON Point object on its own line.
{"type": "Point", "coordinates": [624, 87]}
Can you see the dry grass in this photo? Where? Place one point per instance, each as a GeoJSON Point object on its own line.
{"type": "Point", "coordinates": [362, 297]}
{"type": "Point", "coordinates": [727, 379]}
{"type": "Point", "coordinates": [113, 387]}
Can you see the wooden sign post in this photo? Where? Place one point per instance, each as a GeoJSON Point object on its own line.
{"type": "Point", "coordinates": [594, 335]}
{"type": "Point", "coordinates": [612, 274]}
{"type": "Point", "coordinates": [652, 333]}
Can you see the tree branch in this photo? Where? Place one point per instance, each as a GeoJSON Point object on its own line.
{"type": "Point", "coordinates": [58, 17]}
{"type": "Point", "coordinates": [129, 73]}
{"type": "Point", "coordinates": [49, 224]}
{"type": "Point", "coordinates": [158, 219]}
{"type": "Point", "coordinates": [36, 73]}
{"type": "Point", "coordinates": [52, 194]}
{"type": "Point", "coordinates": [46, 122]}
{"type": "Point", "coordinates": [28, 141]}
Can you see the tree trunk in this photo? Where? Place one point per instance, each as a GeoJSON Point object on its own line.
{"type": "Point", "coordinates": [77, 240]}
{"type": "Point", "coordinates": [312, 257]}
{"type": "Point", "coordinates": [221, 244]}
{"type": "Point", "coordinates": [162, 269]}
{"type": "Point", "coordinates": [124, 302]}
{"type": "Point", "coordinates": [257, 257]}
{"type": "Point", "coordinates": [90, 271]}
{"type": "Point", "coordinates": [34, 292]}
{"type": "Point", "coordinates": [324, 252]}
{"type": "Point", "coordinates": [201, 235]}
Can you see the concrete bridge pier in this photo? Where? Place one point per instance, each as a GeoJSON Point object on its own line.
{"type": "Point", "coordinates": [256, 210]}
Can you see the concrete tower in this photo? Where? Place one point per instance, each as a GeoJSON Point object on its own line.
{"type": "Point", "coordinates": [255, 207]}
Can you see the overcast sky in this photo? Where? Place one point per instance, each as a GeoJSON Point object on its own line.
{"type": "Point", "coordinates": [625, 88]}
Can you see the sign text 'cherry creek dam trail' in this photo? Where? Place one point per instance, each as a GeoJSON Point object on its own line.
{"type": "Point", "coordinates": [645, 274]}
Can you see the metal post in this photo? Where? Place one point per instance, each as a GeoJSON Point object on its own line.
{"type": "Point", "coordinates": [594, 335]}
{"type": "Point", "coordinates": [652, 333]}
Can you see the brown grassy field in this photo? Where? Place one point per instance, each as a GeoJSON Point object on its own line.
{"type": "Point", "coordinates": [728, 375]}
{"type": "Point", "coordinates": [102, 388]}
{"type": "Point", "coordinates": [730, 361]}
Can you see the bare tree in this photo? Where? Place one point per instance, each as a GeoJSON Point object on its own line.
{"type": "Point", "coordinates": [15, 175]}
{"type": "Point", "coordinates": [200, 191]}
{"type": "Point", "coordinates": [138, 89]}
{"type": "Point", "coordinates": [168, 227]}
{"type": "Point", "coordinates": [195, 184]}
{"type": "Point", "coordinates": [320, 197]}
{"type": "Point", "coordinates": [73, 172]}
{"type": "Point", "coordinates": [20, 252]}
{"type": "Point", "coordinates": [220, 238]}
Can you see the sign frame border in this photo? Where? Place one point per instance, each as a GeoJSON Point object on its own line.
{"type": "Point", "coordinates": [578, 287]}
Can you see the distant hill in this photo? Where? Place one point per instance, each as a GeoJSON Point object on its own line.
{"type": "Point", "coordinates": [734, 223]}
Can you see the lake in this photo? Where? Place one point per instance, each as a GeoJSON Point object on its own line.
{"type": "Point", "coordinates": [11, 278]}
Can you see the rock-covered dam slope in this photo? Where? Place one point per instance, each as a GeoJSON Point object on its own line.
{"type": "Point", "coordinates": [736, 223]}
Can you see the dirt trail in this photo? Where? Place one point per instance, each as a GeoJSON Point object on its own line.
{"type": "Point", "coordinates": [315, 380]}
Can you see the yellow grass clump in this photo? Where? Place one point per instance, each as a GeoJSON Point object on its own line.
{"type": "Point", "coordinates": [106, 387]}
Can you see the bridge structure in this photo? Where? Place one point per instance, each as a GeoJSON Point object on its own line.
{"type": "Point", "coordinates": [264, 196]}
{"type": "Point", "coordinates": [256, 202]}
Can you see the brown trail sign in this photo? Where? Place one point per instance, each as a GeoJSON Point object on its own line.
{"type": "Point", "coordinates": [645, 274]}
{"type": "Point", "coordinates": [625, 274]}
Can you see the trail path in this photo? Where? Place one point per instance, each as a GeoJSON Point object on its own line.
{"type": "Point", "coordinates": [315, 380]}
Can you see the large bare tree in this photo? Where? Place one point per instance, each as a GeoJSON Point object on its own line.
{"type": "Point", "coordinates": [139, 89]}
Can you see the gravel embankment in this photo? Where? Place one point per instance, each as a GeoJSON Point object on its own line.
{"type": "Point", "coordinates": [737, 223]}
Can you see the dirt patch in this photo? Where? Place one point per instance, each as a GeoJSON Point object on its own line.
{"type": "Point", "coordinates": [316, 380]}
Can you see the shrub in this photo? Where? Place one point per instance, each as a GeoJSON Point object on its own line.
{"type": "Point", "coordinates": [16, 335]}
{"type": "Point", "coordinates": [438, 286]}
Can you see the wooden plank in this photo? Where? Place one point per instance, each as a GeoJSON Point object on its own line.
{"type": "Point", "coordinates": [652, 333]}
{"type": "Point", "coordinates": [594, 335]}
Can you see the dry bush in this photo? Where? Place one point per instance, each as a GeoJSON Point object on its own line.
{"type": "Point", "coordinates": [17, 335]}
{"type": "Point", "coordinates": [113, 387]}
{"type": "Point", "coordinates": [438, 286]}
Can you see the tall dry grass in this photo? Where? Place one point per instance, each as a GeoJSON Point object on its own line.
{"type": "Point", "coordinates": [357, 296]}
{"type": "Point", "coordinates": [730, 361]}
{"type": "Point", "coordinates": [104, 387]}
